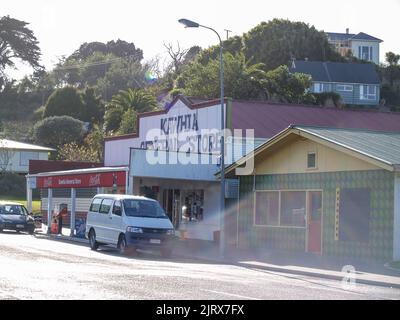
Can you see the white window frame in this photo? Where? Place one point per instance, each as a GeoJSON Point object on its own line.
{"type": "Point", "coordinates": [316, 159]}
{"type": "Point", "coordinates": [365, 92]}
{"type": "Point", "coordinates": [344, 87]}
{"type": "Point", "coordinates": [318, 87]}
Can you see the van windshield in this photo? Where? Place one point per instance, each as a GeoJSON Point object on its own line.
{"type": "Point", "coordinates": [143, 208]}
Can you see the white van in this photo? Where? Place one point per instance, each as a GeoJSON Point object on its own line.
{"type": "Point", "coordinates": [129, 221]}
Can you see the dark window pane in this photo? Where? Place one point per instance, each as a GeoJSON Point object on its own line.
{"type": "Point", "coordinates": [267, 208]}
{"type": "Point", "coordinates": [293, 208]}
{"type": "Point", "coordinates": [311, 160]}
{"type": "Point", "coordinates": [105, 206]}
{"type": "Point", "coordinates": [95, 206]}
{"type": "Point", "coordinates": [354, 214]}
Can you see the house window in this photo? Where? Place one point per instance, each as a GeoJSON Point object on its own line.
{"type": "Point", "coordinates": [267, 208]}
{"type": "Point", "coordinates": [26, 156]}
{"type": "Point", "coordinates": [343, 87]}
{"type": "Point", "coordinates": [367, 92]}
{"type": "Point", "coordinates": [354, 214]}
{"type": "Point", "coordinates": [318, 87]}
{"type": "Point", "coordinates": [311, 160]}
{"type": "Point", "coordinates": [365, 53]}
{"type": "Point", "coordinates": [321, 87]}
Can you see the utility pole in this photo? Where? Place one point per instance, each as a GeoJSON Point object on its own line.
{"type": "Point", "coordinates": [227, 33]}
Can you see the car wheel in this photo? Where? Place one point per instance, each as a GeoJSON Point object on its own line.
{"type": "Point", "coordinates": [31, 231]}
{"type": "Point", "coordinates": [94, 245]}
{"type": "Point", "coordinates": [166, 252]}
{"type": "Point", "coordinates": [1, 230]}
{"type": "Point", "coordinates": [122, 245]}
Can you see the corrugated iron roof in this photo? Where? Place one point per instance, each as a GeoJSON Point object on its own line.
{"type": "Point", "coordinates": [268, 119]}
{"type": "Point", "coordinates": [382, 146]}
{"type": "Point", "coordinates": [364, 73]}
{"type": "Point", "coordinates": [15, 145]}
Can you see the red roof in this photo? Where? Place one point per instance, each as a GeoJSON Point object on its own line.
{"type": "Point", "coordinates": [268, 119]}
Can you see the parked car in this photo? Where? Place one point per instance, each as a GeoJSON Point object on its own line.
{"type": "Point", "coordinates": [129, 222]}
{"type": "Point", "coordinates": [14, 216]}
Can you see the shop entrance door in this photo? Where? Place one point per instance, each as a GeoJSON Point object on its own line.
{"type": "Point", "coordinates": [172, 205]}
{"type": "Point", "coordinates": [314, 218]}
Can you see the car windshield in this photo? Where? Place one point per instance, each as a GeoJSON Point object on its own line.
{"type": "Point", "coordinates": [13, 209]}
{"type": "Point", "coordinates": [143, 208]}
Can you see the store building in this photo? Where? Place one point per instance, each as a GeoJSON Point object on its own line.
{"type": "Point", "coordinates": [329, 191]}
{"type": "Point", "coordinates": [174, 154]}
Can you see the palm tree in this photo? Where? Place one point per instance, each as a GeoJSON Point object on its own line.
{"type": "Point", "coordinates": [138, 99]}
{"type": "Point", "coordinates": [120, 116]}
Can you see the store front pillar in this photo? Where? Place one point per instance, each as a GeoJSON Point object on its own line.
{"type": "Point", "coordinates": [73, 210]}
{"type": "Point", "coordinates": [49, 209]}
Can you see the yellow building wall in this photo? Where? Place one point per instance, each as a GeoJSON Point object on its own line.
{"type": "Point", "coordinates": [291, 157]}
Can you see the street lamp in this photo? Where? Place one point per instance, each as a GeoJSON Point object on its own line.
{"type": "Point", "coordinates": [191, 24]}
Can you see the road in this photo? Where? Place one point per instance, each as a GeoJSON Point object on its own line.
{"type": "Point", "coordinates": [35, 267]}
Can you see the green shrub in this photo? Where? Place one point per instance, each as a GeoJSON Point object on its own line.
{"type": "Point", "coordinates": [13, 185]}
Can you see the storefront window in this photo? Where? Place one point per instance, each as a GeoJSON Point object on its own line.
{"type": "Point", "coordinates": [293, 208]}
{"type": "Point", "coordinates": [267, 208]}
{"type": "Point", "coordinates": [192, 209]}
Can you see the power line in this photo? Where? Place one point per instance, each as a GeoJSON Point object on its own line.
{"type": "Point", "coordinates": [97, 63]}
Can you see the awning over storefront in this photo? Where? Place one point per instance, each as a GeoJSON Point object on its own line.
{"type": "Point", "coordinates": [103, 177]}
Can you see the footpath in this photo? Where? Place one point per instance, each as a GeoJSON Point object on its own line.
{"type": "Point", "coordinates": [305, 264]}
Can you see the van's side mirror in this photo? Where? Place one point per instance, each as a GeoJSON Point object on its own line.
{"type": "Point", "coordinates": [118, 212]}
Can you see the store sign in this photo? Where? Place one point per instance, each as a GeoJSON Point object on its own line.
{"type": "Point", "coordinates": [86, 180]}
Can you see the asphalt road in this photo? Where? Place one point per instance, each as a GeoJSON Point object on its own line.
{"type": "Point", "coordinates": [34, 267]}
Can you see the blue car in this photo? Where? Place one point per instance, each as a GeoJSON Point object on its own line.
{"type": "Point", "coordinates": [14, 216]}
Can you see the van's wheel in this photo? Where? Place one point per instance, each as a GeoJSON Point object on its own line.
{"type": "Point", "coordinates": [122, 245]}
{"type": "Point", "coordinates": [94, 245]}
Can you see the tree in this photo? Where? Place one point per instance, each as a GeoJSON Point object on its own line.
{"type": "Point", "coordinates": [66, 101]}
{"type": "Point", "coordinates": [242, 79]}
{"type": "Point", "coordinates": [392, 70]}
{"type": "Point", "coordinates": [128, 122]}
{"type": "Point", "coordinates": [59, 130]}
{"type": "Point", "coordinates": [123, 108]}
{"type": "Point", "coordinates": [93, 106]}
{"type": "Point", "coordinates": [275, 43]}
{"type": "Point", "coordinates": [278, 41]}
{"type": "Point", "coordinates": [289, 87]}
{"type": "Point", "coordinates": [69, 101]}
{"type": "Point", "coordinates": [139, 100]}
{"type": "Point", "coordinates": [17, 42]}
{"type": "Point", "coordinates": [75, 152]}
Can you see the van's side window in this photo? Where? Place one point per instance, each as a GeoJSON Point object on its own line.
{"type": "Point", "coordinates": [117, 209]}
{"type": "Point", "coordinates": [95, 206]}
{"type": "Point", "coordinates": [105, 206]}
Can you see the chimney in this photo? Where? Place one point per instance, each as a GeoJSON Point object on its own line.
{"type": "Point", "coordinates": [347, 30]}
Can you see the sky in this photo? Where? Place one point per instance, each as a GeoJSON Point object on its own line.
{"type": "Point", "coordinates": [62, 26]}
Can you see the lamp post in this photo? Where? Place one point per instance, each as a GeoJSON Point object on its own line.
{"type": "Point", "coordinates": [191, 24]}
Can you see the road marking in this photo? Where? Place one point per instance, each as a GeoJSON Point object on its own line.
{"type": "Point", "coordinates": [231, 294]}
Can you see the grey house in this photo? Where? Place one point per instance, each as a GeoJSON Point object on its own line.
{"type": "Point", "coordinates": [356, 83]}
